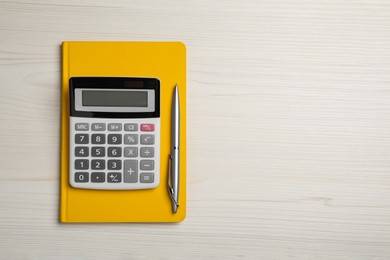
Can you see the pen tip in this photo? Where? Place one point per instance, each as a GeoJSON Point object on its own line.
{"type": "Point", "coordinates": [175, 208]}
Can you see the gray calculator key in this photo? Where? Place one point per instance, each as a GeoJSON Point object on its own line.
{"type": "Point", "coordinates": [98, 151]}
{"type": "Point", "coordinates": [130, 152]}
{"type": "Point", "coordinates": [114, 177]}
{"type": "Point", "coordinates": [131, 127]}
{"type": "Point", "coordinates": [81, 151]}
{"type": "Point", "coordinates": [146, 177]}
{"type": "Point", "coordinates": [81, 164]}
{"type": "Point", "coordinates": [98, 164]}
{"type": "Point", "coordinates": [147, 152]}
{"type": "Point", "coordinates": [147, 165]}
{"type": "Point", "coordinates": [131, 139]}
{"type": "Point", "coordinates": [147, 139]}
{"type": "Point", "coordinates": [115, 127]}
{"type": "Point", "coordinates": [81, 177]}
{"type": "Point", "coordinates": [98, 177]}
{"type": "Point", "coordinates": [114, 151]}
{"type": "Point", "coordinates": [81, 138]}
{"type": "Point", "coordinates": [114, 139]}
{"type": "Point", "coordinates": [98, 139]}
{"type": "Point", "coordinates": [98, 127]}
{"type": "Point", "coordinates": [130, 171]}
{"type": "Point", "coordinates": [114, 164]}
{"type": "Point", "coordinates": [82, 126]}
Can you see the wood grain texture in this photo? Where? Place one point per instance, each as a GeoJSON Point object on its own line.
{"type": "Point", "coordinates": [288, 128]}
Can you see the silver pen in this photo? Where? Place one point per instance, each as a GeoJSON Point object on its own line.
{"type": "Point", "coordinates": [174, 157]}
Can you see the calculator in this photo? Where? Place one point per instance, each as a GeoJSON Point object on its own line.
{"type": "Point", "coordinates": [114, 133]}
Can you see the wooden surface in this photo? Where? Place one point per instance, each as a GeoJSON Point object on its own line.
{"type": "Point", "coordinates": [288, 128]}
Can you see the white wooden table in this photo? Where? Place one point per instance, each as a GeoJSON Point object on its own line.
{"type": "Point", "coordinates": [288, 128]}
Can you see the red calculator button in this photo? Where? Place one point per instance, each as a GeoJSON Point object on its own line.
{"type": "Point", "coordinates": [147, 127]}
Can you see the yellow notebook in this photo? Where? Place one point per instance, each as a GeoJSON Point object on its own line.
{"type": "Point", "coordinates": [163, 60]}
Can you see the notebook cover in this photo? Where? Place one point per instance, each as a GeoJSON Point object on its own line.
{"type": "Point", "coordinates": [163, 60]}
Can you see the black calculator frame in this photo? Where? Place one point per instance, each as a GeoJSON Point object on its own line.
{"type": "Point", "coordinates": [114, 83]}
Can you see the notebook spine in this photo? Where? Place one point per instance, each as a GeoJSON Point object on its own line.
{"type": "Point", "coordinates": [64, 129]}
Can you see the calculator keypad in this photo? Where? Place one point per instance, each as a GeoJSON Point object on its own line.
{"type": "Point", "coordinates": [112, 154]}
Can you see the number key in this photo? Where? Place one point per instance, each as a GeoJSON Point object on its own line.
{"type": "Point", "coordinates": [114, 139]}
{"type": "Point", "coordinates": [98, 139]}
{"type": "Point", "coordinates": [81, 164]}
{"type": "Point", "coordinates": [81, 177]}
{"type": "Point", "coordinates": [81, 138]}
{"type": "Point", "coordinates": [81, 151]}
{"type": "Point", "coordinates": [114, 151]}
{"type": "Point", "coordinates": [98, 164]}
{"type": "Point", "coordinates": [98, 152]}
{"type": "Point", "coordinates": [114, 164]}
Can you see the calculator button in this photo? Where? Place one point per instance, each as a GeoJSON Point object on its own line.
{"type": "Point", "coordinates": [131, 139]}
{"type": "Point", "coordinates": [147, 165]}
{"type": "Point", "coordinates": [114, 151]}
{"type": "Point", "coordinates": [98, 139]}
{"type": "Point", "coordinates": [114, 164]}
{"type": "Point", "coordinates": [131, 127]}
{"type": "Point", "coordinates": [98, 177]}
{"type": "Point", "coordinates": [98, 152]}
{"type": "Point", "coordinates": [147, 152]}
{"type": "Point", "coordinates": [147, 139]}
{"type": "Point", "coordinates": [114, 139]}
{"type": "Point", "coordinates": [130, 171]}
{"type": "Point", "coordinates": [81, 177]}
{"type": "Point", "coordinates": [147, 127]}
{"type": "Point", "coordinates": [146, 177]}
{"type": "Point", "coordinates": [81, 138]}
{"type": "Point", "coordinates": [98, 127]}
{"type": "Point", "coordinates": [82, 126]}
{"type": "Point", "coordinates": [81, 151]}
{"type": "Point", "coordinates": [130, 151]}
{"type": "Point", "coordinates": [114, 177]}
{"type": "Point", "coordinates": [81, 164]}
{"type": "Point", "coordinates": [114, 127]}
{"type": "Point", "coordinates": [98, 164]}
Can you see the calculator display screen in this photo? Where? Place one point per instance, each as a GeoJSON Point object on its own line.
{"type": "Point", "coordinates": [115, 98]}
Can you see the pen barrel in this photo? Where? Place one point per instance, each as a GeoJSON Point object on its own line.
{"type": "Point", "coordinates": [175, 152]}
{"type": "Point", "coordinates": [175, 120]}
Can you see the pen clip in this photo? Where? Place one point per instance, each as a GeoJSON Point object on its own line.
{"type": "Point", "coordinates": [170, 172]}
{"type": "Point", "coordinates": [170, 189]}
